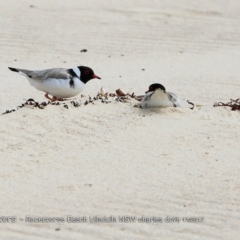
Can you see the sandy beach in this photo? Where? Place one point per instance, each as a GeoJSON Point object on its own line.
{"type": "Point", "coordinates": [115, 160]}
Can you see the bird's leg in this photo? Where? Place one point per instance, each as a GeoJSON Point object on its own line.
{"type": "Point", "coordinates": [51, 99]}
{"type": "Point", "coordinates": [56, 99]}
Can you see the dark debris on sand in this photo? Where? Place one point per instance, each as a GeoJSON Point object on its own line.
{"type": "Point", "coordinates": [233, 104]}
{"type": "Point", "coordinates": [119, 96]}
{"type": "Point", "coordinates": [31, 102]}
{"type": "Point", "coordinates": [191, 104]}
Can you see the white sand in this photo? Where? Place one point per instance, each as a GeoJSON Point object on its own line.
{"type": "Point", "coordinates": [115, 159]}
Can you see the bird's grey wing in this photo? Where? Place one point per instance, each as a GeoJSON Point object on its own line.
{"type": "Point", "coordinates": [147, 97]}
{"type": "Point", "coordinates": [23, 72]}
{"type": "Point", "coordinates": [41, 75]}
{"type": "Point", "coordinates": [56, 73]}
{"type": "Point", "coordinates": [173, 98]}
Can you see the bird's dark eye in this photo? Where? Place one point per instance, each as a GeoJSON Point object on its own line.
{"type": "Point", "coordinates": [86, 72]}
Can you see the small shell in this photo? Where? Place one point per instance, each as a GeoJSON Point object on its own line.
{"type": "Point", "coordinates": [102, 91]}
{"type": "Point", "coordinates": [120, 92]}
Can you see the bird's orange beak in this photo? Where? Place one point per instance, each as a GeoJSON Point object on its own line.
{"type": "Point", "coordinates": [95, 76]}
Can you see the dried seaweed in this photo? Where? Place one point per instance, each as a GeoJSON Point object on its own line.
{"type": "Point", "coordinates": [31, 102]}
{"type": "Point", "coordinates": [191, 104]}
{"type": "Point", "coordinates": [103, 96]}
{"type": "Point", "coordinates": [233, 104]}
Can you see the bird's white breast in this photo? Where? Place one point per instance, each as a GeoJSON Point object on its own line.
{"type": "Point", "coordinates": [58, 87]}
{"type": "Point", "coordinates": [157, 99]}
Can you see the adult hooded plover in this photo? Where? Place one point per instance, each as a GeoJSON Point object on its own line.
{"type": "Point", "coordinates": [58, 82]}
